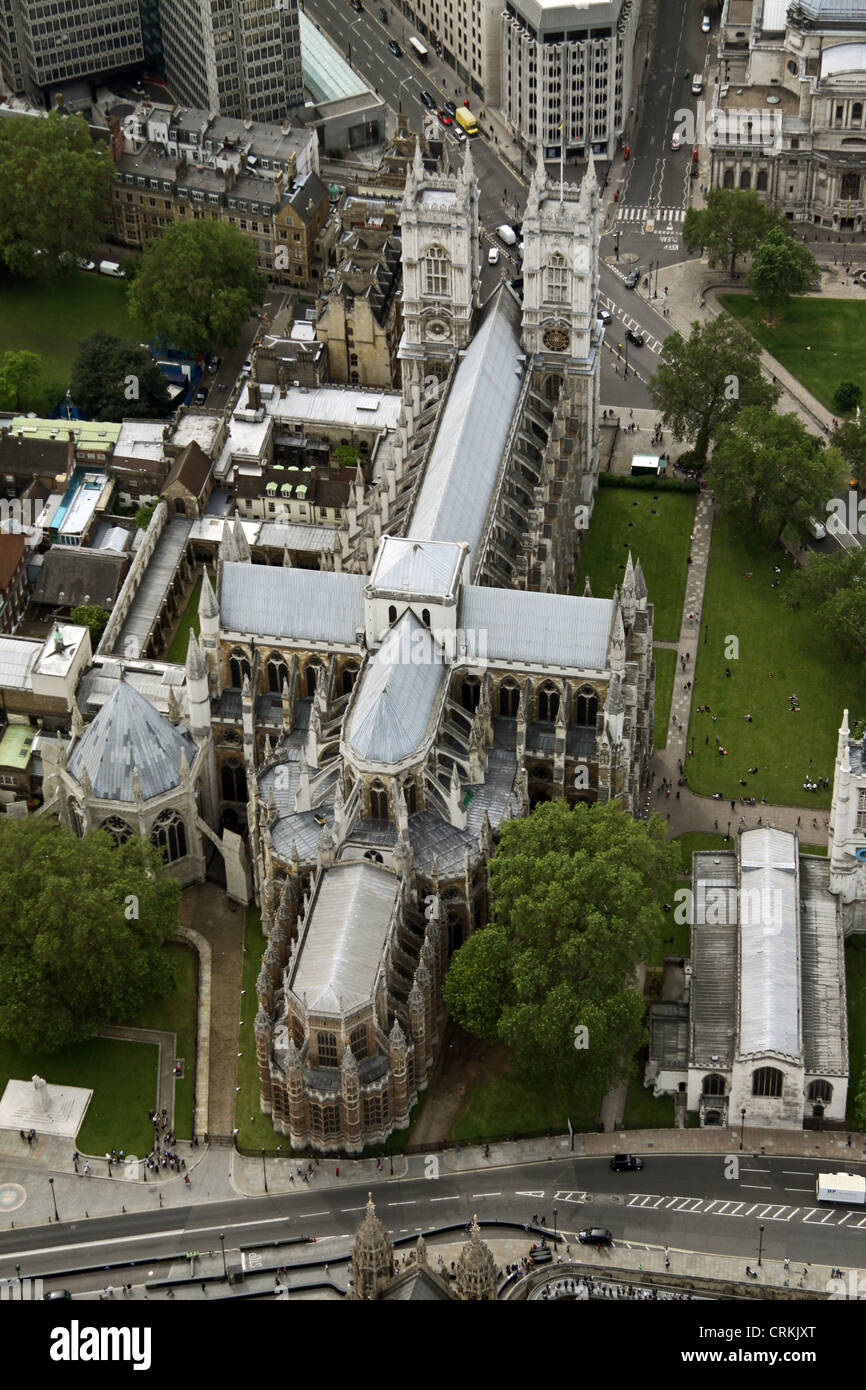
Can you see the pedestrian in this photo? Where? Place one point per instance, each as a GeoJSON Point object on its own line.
{"type": "Point", "coordinates": [338, 1170]}
{"type": "Point", "coordinates": [204, 1287]}
{"type": "Point", "coordinates": [186, 1180]}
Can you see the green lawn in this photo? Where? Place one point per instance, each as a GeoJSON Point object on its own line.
{"type": "Point", "coordinates": [122, 1077]}
{"type": "Point", "coordinates": [503, 1104]}
{"type": "Point", "coordinates": [820, 341]}
{"type": "Point", "coordinates": [52, 318]}
{"type": "Point", "coordinates": [188, 619]}
{"type": "Point", "coordinates": [666, 667]}
{"type": "Point", "coordinates": [254, 1129]}
{"type": "Point", "coordinates": [176, 1013]}
{"type": "Point", "coordinates": [695, 840]}
{"type": "Point", "coordinates": [644, 1111]}
{"type": "Point", "coordinates": [748, 611]}
{"type": "Point", "coordinates": [656, 527]}
{"type": "Point", "coordinates": [855, 973]}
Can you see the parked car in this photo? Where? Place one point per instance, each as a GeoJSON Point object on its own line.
{"type": "Point", "coordinates": [493, 256]}
{"type": "Point", "coordinates": [395, 48]}
{"type": "Point", "coordinates": [705, 24]}
{"type": "Point", "coordinates": [506, 235]}
{"type": "Point", "coordinates": [635, 336]}
{"type": "Point", "coordinates": [84, 264]}
{"type": "Point", "coordinates": [383, 14]}
{"type": "Point", "coordinates": [215, 364]}
{"type": "Point", "coordinates": [604, 315]}
{"type": "Point", "coordinates": [444, 117]}
{"type": "Point", "coordinates": [54, 1294]}
{"type": "Point", "coordinates": [428, 101]}
{"type": "Point", "coordinates": [356, 5]}
{"type": "Point", "coordinates": [449, 107]}
{"type": "Point", "coordinates": [626, 1163]}
{"type": "Point", "coordinates": [632, 280]}
{"type": "Point", "coordinates": [595, 1235]}
{"type": "Point", "coordinates": [200, 396]}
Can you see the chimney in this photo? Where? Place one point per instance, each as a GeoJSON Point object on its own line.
{"type": "Point", "coordinates": [115, 142]}
{"type": "Point", "coordinates": [70, 452]}
{"type": "Point", "coordinates": [253, 396]}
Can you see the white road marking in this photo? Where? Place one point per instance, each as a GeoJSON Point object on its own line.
{"type": "Point", "coordinates": [401, 1204]}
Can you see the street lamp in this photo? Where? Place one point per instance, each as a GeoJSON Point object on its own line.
{"type": "Point", "coordinates": [728, 836]}
{"type": "Point", "coordinates": [225, 1266]}
{"type": "Point", "coordinates": [625, 367]}
{"type": "Point", "coordinates": [742, 1115]}
{"type": "Point", "coordinates": [348, 43]}
{"type": "Point", "coordinates": [760, 1245]}
{"type": "Point", "coordinates": [264, 1170]}
{"type": "Point", "coordinates": [403, 84]}
{"type": "Point", "coordinates": [54, 1199]}
{"type": "Point", "coordinates": [656, 286]}
{"type": "Point", "coordinates": [554, 1225]}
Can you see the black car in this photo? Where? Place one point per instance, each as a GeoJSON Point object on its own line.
{"type": "Point", "coordinates": [428, 101]}
{"type": "Point", "coordinates": [450, 108]}
{"type": "Point", "coordinates": [632, 280]}
{"type": "Point", "coordinates": [356, 5]}
{"type": "Point", "coordinates": [626, 1163]}
{"type": "Point", "coordinates": [634, 336]}
{"type": "Point", "coordinates": [395, 48]}
{"type": "Point", "coordinates": [595, 1235]}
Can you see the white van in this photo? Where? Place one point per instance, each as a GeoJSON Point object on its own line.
{"type": "Point", "coordinates": [111, 268]}
{"type": "Point", "coordinates": [817, 530]}
{"type": "Point", "coordinates": [506, 234]}
{"type": "Point", "coordinates": [697, 84]}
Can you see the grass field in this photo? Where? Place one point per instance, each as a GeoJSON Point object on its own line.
{"type": "Point", "coordinates": [749, 630]}
{"type": "Point", "coordinates": [656, 527]}
{"type": "Point", "coordinates": [666, 667]}
{"type": "Point", "coordinates": [51, 319]}
{"type": "Point", "coordinates": [188, 619]}
{"type": "Point", "coordinates": [176, 1013]}
{"type": "Point", "coordinates": [504, 1104]}
{"type": "Point", "coordinates": [855, 973]}
{"type": "Point", "coordinates": [820, 341]}
{"type": "Point", "coordinates": [254, 1128]}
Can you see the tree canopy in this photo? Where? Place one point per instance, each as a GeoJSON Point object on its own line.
{"type": "Point", "coordinates": [20, 380]}
{"type": "Point", "coordinates": [576, 905]}
{"type": "Point", "coordinates": [82, 932]}
{"type": "Point", "coordinates": [197, 286]}
{"type": "Point", "coordinates": [91, 616]}
{"type": "Point", "coordinates": [114, 379]}
{"type": "Point", "coordinates": [703, 381]}
{"type": "Point", "coordinates": [730, 225]}
{"type": "Point", "coordinates": [781, 267]}
{"type": "Point", "coordinates": [56, 185]}
{"type": "Point", "coordinates": [849, 437]}
{"type": "Point", "coordinates": [768, 470]}
{"type": "Point", "coordinates": [834, 587]}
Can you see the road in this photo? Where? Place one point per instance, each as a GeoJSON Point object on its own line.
{"type": "Point", "coordinates": [685, 1202]}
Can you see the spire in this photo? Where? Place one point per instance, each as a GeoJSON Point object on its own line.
{"type": "Point", "coordinates": [589, 183]}
{"type": "Point", "coordinates": [227, 546]}
{"type": "Point", "coordinates": [587, 591]}
{"type": "Point", "coordinates": [207, 604]}
{"type": "Point", "coordinates": [418, 162]}
{"type": "Point", "coordinates": [173, 711]}
{"type": "Point", "coordinates": [195, 667]}
{"type": "Point", "coordinates": [349, 1066]}
{"type": "Point", "coordinates": [467, 173]}
{"type": "Point", "coordinates": [397, 1037]}
{"type": "Point", "coordinates": [640, 588]}
{"type": "Point", "coordinates": [242, 546]}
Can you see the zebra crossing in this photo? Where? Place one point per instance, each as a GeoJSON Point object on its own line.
{"type": "Point", "coordinates": [761, 1211]}
{"type": "Point", "coordinates": [643, 214]}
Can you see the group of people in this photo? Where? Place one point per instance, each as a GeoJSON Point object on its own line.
{"type": "Point", "coordinates": [163, 1155]}
{"type": "Point", "coordinates": [594, 1288]}
{"type": "Point", "coordinates": [28, 1135]}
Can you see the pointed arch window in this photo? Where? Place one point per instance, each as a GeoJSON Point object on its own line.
{"type": "Point", "coordinates": [392, 612]}
{"type": "Point", "coordinates": [556, 280]}
{"type": "Point", "coordinates": [169, 835]}
{"type": "Point", "coordinates": [587, 707]}
{"type": "Point", "coordinates": [233, 779]}
{"type": "Point", "coordinates": [239, 668]}
{"type": "Point", "coordinates": [437, 273]}
{"type": "Point", "coordinates": [378, 801]}
{"type": "Point", "coordinates": [350, 675]}
{"type": "Point", "coordinates": [119, 828]}
{"type": "Point", "coordinates": [548, 703]}
{"type": "Point", "coordinates": [278, 672]}
{"type": "Point", "coordinates": [509, 699]}
{"type": "Point", "coordinates": [313, 667]}
{"type": "Point", "coordinates": [411, 795]}
{"type": "Point", "coordinates": [470, 693]}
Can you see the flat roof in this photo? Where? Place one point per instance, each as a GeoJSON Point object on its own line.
{"type": "Point", "coordinates": [327, 75]}
{"type": "Point", "coordinates": [89, 434]}
{"type": "Point", "coordinates": [16, 746]}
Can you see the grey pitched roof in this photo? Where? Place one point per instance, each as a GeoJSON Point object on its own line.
{"type": "Point", "coordinates": [70, 575]}
{"type": "Point", "coordinates": [347, 927]}
{"type": "Point", "coordinates": [769, 1018]}
{"type": "Point", "coordinates": [825, 1013]}
{"type": "Point", "coordinates": [461, 472]}
{"type": "Point", "coordinates": [550, 629]}
{"type": "Point", "coordinates": [714, 958]}
{"type": "Point", "coordinates": [308, 605]}
{"type": "Point", "coordinates": [128, 733]}
{"type": "Point", "coordinates": [397, 694]}
{"type": "Point", "coordinates": [413, 566]}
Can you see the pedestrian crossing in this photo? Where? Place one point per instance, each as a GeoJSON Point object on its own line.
{"type": "Point", "coordinates": [643, 214]}
{"type": "Point", "coordinates": [763, 1211]}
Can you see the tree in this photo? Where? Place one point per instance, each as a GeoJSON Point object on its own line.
{"type": "Point", "coordinates": [731, 225]}
{"type": "Point", "coordinates": [849, 438]}
{"type": "Point", "coordinates": [82, 932]}
{"type": "Point", "coordinates": [847, 396]}
{"type": "Point", "coordinates": [769, 471]}
{"type": "Point", "coordinates": [91, 616]}
{"type": "Point", "coordinates": [143, 517]}
{"type": "Point", "coordinates": [576, 905]}
{"type": "Point", "coordinates": [56, 186]}
{"type": "Point", "coordinates": [701, 382]}
{"type": "Point", "coordinates": [20, 385]}
{"type": "Point", "coordinates": [834, 587]}
{"type": "Point", "coordinates": [781, 267]}
{"type": "Point", "coordinates": [197, 286]}
{"type": "Point", "coordinates": [346, 455]}
{"type": "Point", "coordinates": [114, 379]}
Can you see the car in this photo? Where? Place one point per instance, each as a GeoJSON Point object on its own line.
{"type": "Point", "coordinates": [493, 256]}
{"type": "Point", "coordinates": [215, 364]}
{"type": "Point", "coordinates": [604, 315]}
{"type": "Point", "coordinates": [54, 1294]}
{"type": "Point", "coordinates": [697, 84]}
{"type": "Point", "coordinates": [84, 264]}
{"type": "Point", "coordinates": [356, 5]}
{"type": "Point", "coordinates": [449, 107]}
{"type": "Point", "coordinates": [428, 101]}
{"type": "Point", "coordinates": [676, 141]}
{"type": "Point", "coordinates": [395, 48]}
{"type": "Point", "coordinates": [635, 336]}
{"type": "Point", "coordinates": [517, 285]}
{"type": "Point", "coordinates": [248, 366]}
{"type": "Point", "coordinates": [459, 135]}
{"type": "Point", "coordinates": [632, 280]}
{"type": "Point", "coordinates": [595, 1235]}
{"type": "Point", "coordinates": [626, 1163]}
{"type": "Point", "coordinates": [506, 235]}
{"type": "Point", "coordinates": [383, 14]}
{"type": "Point", "coordinates": [705, 24]}
{"type": "Point", "coordinates": [444, 118]}
{"type": "Point", "coordinates": [200, 396]}
{"type": "Point", "coordinates": [817, 530]}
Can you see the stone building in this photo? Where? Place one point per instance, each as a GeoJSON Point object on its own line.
{"type": "Point", "coordinates": [787, 116]}
{"type": "Point", "coordinates": [847, 838]}
{"type": "Point", "coordinates": [360, 316]}
{"type": "Point", "coordinates": [376, 1274]}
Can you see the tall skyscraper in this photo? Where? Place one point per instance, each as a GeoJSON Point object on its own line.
{"type": "Point", "coordinates": [240, 58]}
{"type": "Point", "coordinates": [43, 46]}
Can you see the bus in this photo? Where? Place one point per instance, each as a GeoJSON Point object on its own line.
{"type": "Point", "coordinates": [466, 121]}
{"type": "Point", "coordinates": [418, 49]}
